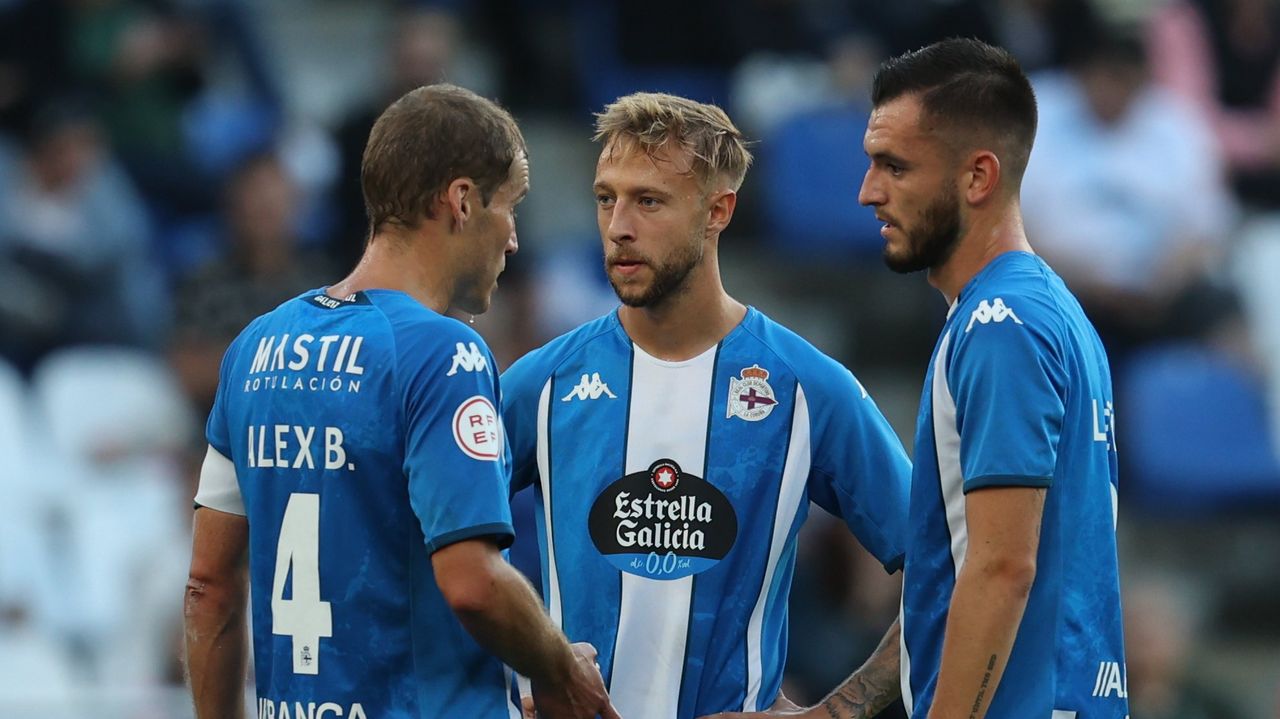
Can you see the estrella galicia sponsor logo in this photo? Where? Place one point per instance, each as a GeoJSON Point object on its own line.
{"type": "Point", "coordinates": [663, 523]}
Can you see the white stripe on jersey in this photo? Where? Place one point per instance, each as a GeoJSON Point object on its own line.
{"type": "Point", "coordinates": [904, 658]}
{"type": "Point", "coordinates": [947, 442]}
{"type": "Point", "coordinates": [1115, 508]}
{"type": "Point", "coordinates": [795, 474]}
{"type": "Point", "coordinates": [544, 479]}
{"type": "Point", "coordinates": [1060, 714]}
{"type": "Point", "coordinates": [513, 711]}
{"type": "Point", "coordinates": [653, 619]}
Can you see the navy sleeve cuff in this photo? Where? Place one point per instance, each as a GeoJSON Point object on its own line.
{"type": "Point", "coordinates": [502, 532]}
{"type": "Point", "coordinates": [1006, 480]}
{"type": "Point", "coordinates": [894, 564]}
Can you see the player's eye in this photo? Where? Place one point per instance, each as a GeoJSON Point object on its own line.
{"type": "Point", "coordinates": [649, 202]}
{"type": "Point", "coordinates": [604, 200]}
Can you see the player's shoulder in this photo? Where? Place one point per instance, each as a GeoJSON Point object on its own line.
{"type": "Point", "coordinates": [813, 368]}
{"type": "Point", "coordinates": [1016, 289]}
{"type": "Point", "coordinates": [536, 366]}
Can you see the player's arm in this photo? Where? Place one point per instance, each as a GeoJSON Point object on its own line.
{"type": "Point", "coordinates": [502, 612]}
{"type": "Point", "coordinates": [866, 693]}
{"type": "Point", "coordinates": [214, 614]}
{"type": "Point", "coordinates": [990, 596]}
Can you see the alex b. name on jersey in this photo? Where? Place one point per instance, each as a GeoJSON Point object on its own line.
{"type": "Point", "coordinates": [300, 363]}
{"type": "Point", "coordinates": [296, 447]}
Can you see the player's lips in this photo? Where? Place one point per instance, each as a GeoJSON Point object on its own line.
{"type": "Point", "coordinates": [626, 265]}
{"type": "Point", "coordinates": [888, 224]}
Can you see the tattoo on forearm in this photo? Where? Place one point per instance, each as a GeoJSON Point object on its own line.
{"type": "Point", "coordinates": [982, 690]}
{"type": "Point", "coordinates": [869, 690]}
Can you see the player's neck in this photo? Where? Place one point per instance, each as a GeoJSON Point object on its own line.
{"type": "Point", "coordinates": [689, 321]}
{"type": "Point", "coordinates": [987, 237]}
{"type": "Point", "coordinates": [396, 263]}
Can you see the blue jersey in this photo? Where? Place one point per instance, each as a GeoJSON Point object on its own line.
{"type": "Point", "coordinates": [364, 436]}
{"type": "Point", "coordinates": [1019, 394]}
{"type": "Point", "coordinates": [670, 494]}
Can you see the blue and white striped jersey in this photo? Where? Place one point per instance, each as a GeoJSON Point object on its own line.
{"type": "Point", "coordinates": [670, 495]}
{"type": "Point", "coordinates": [364, 435]}
{"type": "Point", "coordinates": [1019, 394]}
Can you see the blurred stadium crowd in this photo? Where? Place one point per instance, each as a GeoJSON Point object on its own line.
{"type": "Point", "coordinates": [171, 168]}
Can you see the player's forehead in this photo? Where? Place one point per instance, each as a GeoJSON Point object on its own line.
{"type": "Point", "coordinates": [624, 161]}
{"type": "Point", "coordinates": [895, 125]}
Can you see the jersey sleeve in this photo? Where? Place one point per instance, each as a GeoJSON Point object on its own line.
{"type": "Point", "coordinates": [1009, 386]}
{"type": "Point", "coordinates": [521, 391]}
{"type": "Point", "coordinates": [456, 457]}
{"type": "Point", "coordinates": [860, 470]}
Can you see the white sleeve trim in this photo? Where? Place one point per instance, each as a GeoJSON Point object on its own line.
{"type": "Point", "coordinates": [218, 487]}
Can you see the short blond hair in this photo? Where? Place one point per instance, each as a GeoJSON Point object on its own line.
{"type": "Point", "coordinates": [652, 119]}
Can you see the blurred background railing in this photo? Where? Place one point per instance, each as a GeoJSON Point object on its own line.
{"type": "Point", "coordinates": [171, 168]}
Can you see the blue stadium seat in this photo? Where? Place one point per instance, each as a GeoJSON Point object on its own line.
{"type": "Point", "coordinates": [606, 76]}
{"type": "Point", "coordinates": [1194, 434]}
{"type": "Point", "coordinates": [812, 167]}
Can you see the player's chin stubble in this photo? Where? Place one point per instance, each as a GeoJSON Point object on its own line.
{"type": "Point", "coordinates": [933, 242]}
{"type": "Point", "coordinates": [668, 278]}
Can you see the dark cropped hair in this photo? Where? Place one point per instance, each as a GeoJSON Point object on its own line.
{"type": "Point", "coordinates": [427, 139]}
{"type": "Point", "coordinates": [970, 91]}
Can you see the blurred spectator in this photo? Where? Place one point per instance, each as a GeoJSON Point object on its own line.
{"type": "Point", "coordinates": [143, 61]}
{"type": "Point", "coordinates": [33, 59]}
{"type": "Point", "coordinates": [1224, 56]}
{"type": "Point", "coordinates": [147, 62]}
{"type": "Point", "coordinates": [262, 267]}
{"type": "Point", "coordinates": [1161, 633]}
{"type": "Point", "coordinates": [74, 244]}
{"type": "Point", "coordinates": [422, 51]}
{"type": "Point", "coordinates": [1125, 196]}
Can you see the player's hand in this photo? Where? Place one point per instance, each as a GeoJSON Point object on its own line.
{"type": "Point", "coordinates": [581, 696]}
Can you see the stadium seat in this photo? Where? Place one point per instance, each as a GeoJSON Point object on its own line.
{"type": "Point", "coordinates": [116, 423]}
{"type": "Point", "coordinates": [605, 76]}
{"type": "Point", "coordinates": [812, 166]}
{"type": "Point", "coordinates": [1193, 432]}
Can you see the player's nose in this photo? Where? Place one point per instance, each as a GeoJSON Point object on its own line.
{"type": "Point", "coordinates": [871, 192]}
{"type": "Point", "coordinates": [621, 227]}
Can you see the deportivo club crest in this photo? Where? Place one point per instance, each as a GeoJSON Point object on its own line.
{"type": "Point", "coordinates": [751, 397]}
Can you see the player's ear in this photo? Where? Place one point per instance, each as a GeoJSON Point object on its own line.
{"type": "Point", "coordinates": [460, 197]}
{"type": "Point", "coordinates": [720, 207]}
{"type": "Point", "coordinates": [983, 177]}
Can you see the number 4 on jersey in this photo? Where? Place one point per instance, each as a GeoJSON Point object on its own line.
{"type": "Point", "coordinates": [303, 617]}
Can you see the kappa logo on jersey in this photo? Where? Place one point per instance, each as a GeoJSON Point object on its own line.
{"type": "Point", "coordinates": [468, 358]}
{"type": "Point", "coordinates": [750, 396]}
{"type": "Point", "coordinates": [589, 387]}
{"type": "Point", "coordinates": [996, 311]}
{"type": "Point", "coordinates": [663, 523]}
{"type": "Point", "coordinates": [476, 429]}
{"type": "Point", "coordinates": [1112, 680]}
